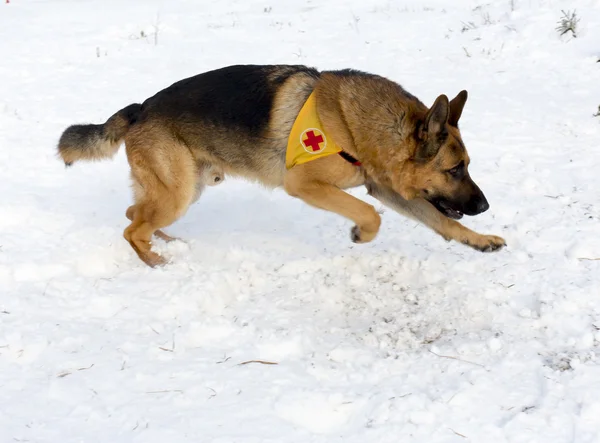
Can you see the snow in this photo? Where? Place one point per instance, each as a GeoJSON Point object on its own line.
{"type": "Point", "coordinates": [408, 338]}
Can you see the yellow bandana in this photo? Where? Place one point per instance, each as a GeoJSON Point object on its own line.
{"type": "Point", "coordinates": [308, 141]}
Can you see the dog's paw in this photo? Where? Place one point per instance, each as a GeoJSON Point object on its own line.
{"type": "Point", "coordinates": [358, 235]}
{"type": "Point", "coordinates": [153, 259]}
{"type": "Point", "coordinates": [487, 243]}
{"type": "Point", "coordinates": [355, 234]}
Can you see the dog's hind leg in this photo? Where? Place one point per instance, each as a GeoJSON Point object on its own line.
{"type": "Point", "coordinates": [207, 175]}
{"type": "Point", "coordinates": [164, 182]}
{"type": "Point", "coordinates": [423, 211]}
{"type": "Point", "coordinates": [130, 213]}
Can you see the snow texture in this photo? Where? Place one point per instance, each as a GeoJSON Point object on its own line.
{"type": "Point", "coordinates": [405, 339]}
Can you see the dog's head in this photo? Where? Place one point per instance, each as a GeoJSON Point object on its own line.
{"type": "Point", "coordinates": [438, 169]}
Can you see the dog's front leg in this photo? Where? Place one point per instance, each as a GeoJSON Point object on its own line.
{"type": "Point", "coordinates": [423, 211]}
{"type": "Point", "coordinates": [320, 182]}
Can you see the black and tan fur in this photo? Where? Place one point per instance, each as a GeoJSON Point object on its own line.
{"type": "Point", "coordinates": [236, 121]}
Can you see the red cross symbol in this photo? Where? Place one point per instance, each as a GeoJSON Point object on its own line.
{"type": "Point", "coordinates": [313, 141]}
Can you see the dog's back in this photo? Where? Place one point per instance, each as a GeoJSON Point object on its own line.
{"type": "Point", "coordinates": [239, 116]}
{"type": "Point", "coordinates": [238, 97]}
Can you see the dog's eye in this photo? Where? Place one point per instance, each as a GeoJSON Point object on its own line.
{"type": "Point", "coordinates": [457, 171]}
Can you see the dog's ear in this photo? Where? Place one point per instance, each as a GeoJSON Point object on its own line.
{"type": "Point", "coordinates": [433, 128]}
{"type": "Point", "coordinates": [437, 116]}
{"type": "Point", "coordinates": [456, 107]}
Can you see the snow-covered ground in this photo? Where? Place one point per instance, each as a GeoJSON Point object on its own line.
{"type": "Point", "coordinates": [406, 339]}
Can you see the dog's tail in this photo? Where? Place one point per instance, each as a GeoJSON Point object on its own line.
{"type": "Point", "coordinates": [97, 142]}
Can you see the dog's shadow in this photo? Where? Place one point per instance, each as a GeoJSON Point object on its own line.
{"type": "Point", "coordinates": [237, 211]}
{"type": "Point", "coordinates": [234, 214]}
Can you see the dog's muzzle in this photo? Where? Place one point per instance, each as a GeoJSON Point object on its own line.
{"type": "Point", "coordinates": [475, 205]}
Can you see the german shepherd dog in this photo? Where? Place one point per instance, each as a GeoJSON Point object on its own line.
{"type": "Point", "coordinates": [236, 121]}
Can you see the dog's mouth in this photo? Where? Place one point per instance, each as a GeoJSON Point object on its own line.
{"type": "Point", "coordinates": [445, 208]}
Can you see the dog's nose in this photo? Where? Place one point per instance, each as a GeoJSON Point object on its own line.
{"type": "Point", "coordinates": [482, 206]}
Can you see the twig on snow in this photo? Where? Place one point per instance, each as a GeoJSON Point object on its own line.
{"type": "Point", "coordinates": [65, 373]}
{"type": "Point", "coordinates": [172, 346]}
{"type": "Point", "coordinates": [458, 433]}
{"type": "Point", "coordinates": [456, 358]}
{"type": "Point", "coordinates": [262, 362]}
{"type": "Point", "coordinates": [165, 391]}
{"type": "Point", "coordinates": [225, 359]}
{"type": "Point", "coordinates": [506, 286]}
{"type": "Point", "coordinates": [84, 369]}
{"type": "Point", "coordinates": [156, 27]}
{"type": "Point", "coordinates": [589, 259]}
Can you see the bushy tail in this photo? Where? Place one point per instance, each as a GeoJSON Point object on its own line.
{"type": "Point", "coordinates": [97, 142]}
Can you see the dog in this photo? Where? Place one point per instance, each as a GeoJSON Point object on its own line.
{"type": "Point", "coordinates": [314, 133]}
